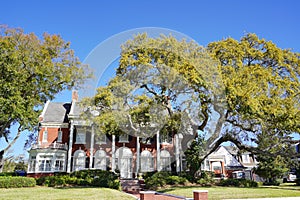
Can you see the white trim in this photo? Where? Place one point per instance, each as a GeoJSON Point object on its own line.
{"type": "Point", "coordinates": [42, 115]}
{"type": "Point", "coordinates": [54, 125]}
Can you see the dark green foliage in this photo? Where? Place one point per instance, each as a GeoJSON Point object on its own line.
{"type": "Point", "coordinates": [274, 182]}
{"type": "Point", "coordinates": [298, 181]}
{"type": "Point", "coordinates": [161, 179]}
{"type": "Point", "coordinates": [16, 182]}
{"type": "Point", "coordinates": [238, 183]}
{"type": "Point", "coordinates": [194, 155]}
{"type": "Point", "coordinates": [206, 179]}
{"type": "Point", "coordinates": [8, 174]}
{"type": "Point", "coordinates": [96, 178]}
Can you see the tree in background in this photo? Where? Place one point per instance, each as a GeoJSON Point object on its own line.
{"type": "Point", "coordinates": [33, 70]}
{"type": "Point", "coordinates": [262, 92]}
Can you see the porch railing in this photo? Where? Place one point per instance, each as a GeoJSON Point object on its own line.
{"type": "Point", "coordinates": [50, 146]}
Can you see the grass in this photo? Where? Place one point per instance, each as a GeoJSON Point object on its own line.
{"type": "Point", "coordinates": [47, 193]}
{"type": "Point", "coordinates": [215, 193]}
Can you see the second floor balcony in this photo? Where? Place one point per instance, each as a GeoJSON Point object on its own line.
{"type": "Point", "coordinates": [50, 146]}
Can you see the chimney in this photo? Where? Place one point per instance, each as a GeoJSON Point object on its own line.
{"type": "Point", "coordinates": [74, 96]}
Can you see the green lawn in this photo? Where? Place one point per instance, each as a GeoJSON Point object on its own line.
{"type": "Point", "coordinates": [47, 193]}
{"type": "Point", "coordinates": [235, 193]}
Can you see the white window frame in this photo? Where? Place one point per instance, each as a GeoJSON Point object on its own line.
{"type": "Point", "coordinates": [165, 160]}
{"type": "Point", "coordinates": [80, 138]}
{"type": "Point", "coordinates": [45, 136]}
{"type": "Point", "coordinates": [45, 163]}
{"type": "Point", "coordinates": [59, 136]}
{"type": "Point", "coordinates": [124, 138]}
{"type": "Point", "coordinates": [79, 160]}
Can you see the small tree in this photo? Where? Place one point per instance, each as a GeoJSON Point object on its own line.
{"type": "Point", "coordinates": [194, 155]}
{"type": "Point", "coordinates": [271, 168]}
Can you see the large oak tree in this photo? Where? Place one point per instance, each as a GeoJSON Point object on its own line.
{"type": "Point", "coordinates": [238, 91]}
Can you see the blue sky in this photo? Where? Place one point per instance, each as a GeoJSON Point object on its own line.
{"type": "Point", "coordinates": [87, 23]}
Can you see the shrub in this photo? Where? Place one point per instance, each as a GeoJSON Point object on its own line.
{"type": "Point", "coordinates": [238, 183]}
{"type": "Point", "coordinates": [8, 174]}
{"type": "Point", "coordinates": [16, 182]}
{"type": "Point", "coordinates": [96, 178]}
{"type": "Point", "coordinates": [160, 179]}
{"type": "Point", "coordinates": [175, 180]}
{"type": "Point", "coordinates": [275, 183]}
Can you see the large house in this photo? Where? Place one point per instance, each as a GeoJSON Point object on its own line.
{"type": "Point", "coordinates": [66, 144]}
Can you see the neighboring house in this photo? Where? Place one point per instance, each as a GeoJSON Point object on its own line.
{"type": "Point", "coordinates": [66, 144]}
{"type": "Point", "coordinates": [226, 160]}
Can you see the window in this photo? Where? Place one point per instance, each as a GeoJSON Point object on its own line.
{"type": "Point", "coordinates": [79, 160]}
{"type": "Point", "coordinates": [165, 160]}
{"type": "Point", "coordinates": [32, 164]}
{"type": "Point", "coordinates": [80, 138]}
{"type": "Point", "coordinates": [59, 136]}
{"type": "Point", "coordinates": [59, 163]}
{"type": "Point", "coordinates": [45, 136]}
{"type": "Point", "coordinates": [101, 139]}
{"type": "Point", "coordinates": [45, 163]}
{"type": "Point", "coordinates": [100, 160]}
{"type": "Point", "coordinates": [165, 138]}
{"type": "Point", "coordinates": [146, 141]}
{"type": "Point", "coordinates": [123, 138]}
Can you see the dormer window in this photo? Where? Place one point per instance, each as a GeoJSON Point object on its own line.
{"type": "Point", "coordinates": [123, 138]}
{"type": "Point", "coordinates": [45, 136]}
{"type": "Point", "coordinates": [59, 136]}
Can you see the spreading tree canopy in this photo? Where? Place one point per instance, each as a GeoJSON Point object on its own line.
{"type": "Point", "coordinates": [238, 91]}
{"type": "Point", "coordinates": [33, 70]}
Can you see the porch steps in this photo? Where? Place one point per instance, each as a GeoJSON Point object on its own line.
{"type": "Point", "coordinates": [132, 186]}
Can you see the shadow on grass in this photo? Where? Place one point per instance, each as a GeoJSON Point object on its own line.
{"type": "Point", "coordinates": [78, 187]}
{"type": "Point", "coordinates": [285, 187]}
{"type": "Point", "coordinates": [164, 190]}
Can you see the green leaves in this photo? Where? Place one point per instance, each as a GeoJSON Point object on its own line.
{"type": "Point", "coordinates": [33, 70]}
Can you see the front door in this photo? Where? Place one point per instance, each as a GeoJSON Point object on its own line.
{"type": "Point", "coordinates": [124, 158]}
{"type": "Point", "coordinates": [125, 164]}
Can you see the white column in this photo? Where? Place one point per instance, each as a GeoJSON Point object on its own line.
{"type": "Point", "coordinates": [138, 147]}
{"type": "Point", "coordinates": [157, 152]}
{"type": "Point", "coordinates": [92, 147]}
{"type": "Point", "coordinates": [70, 147]}
{"type": "Point", "coordinates": [113, 151]}
{"type": "Point", "coordinates": [177, 153]}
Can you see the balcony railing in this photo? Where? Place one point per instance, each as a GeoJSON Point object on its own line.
{"type": "Point", "coordinates": [50, 146]}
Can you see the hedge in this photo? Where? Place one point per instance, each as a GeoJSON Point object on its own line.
{"type": "Point", "coordinates": [96, 178]}
{"type": "Point", "coordinates": [16, 182]}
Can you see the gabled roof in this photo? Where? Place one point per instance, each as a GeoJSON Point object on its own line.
{"type": "Point", "coordinates": [56, 112]}
{"type": "Point", "coordinates": [232, 150]}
